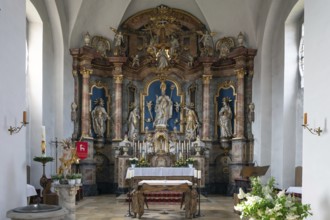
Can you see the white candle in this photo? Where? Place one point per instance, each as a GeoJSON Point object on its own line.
{"type": "Point", "coordinates": [199, 174]}
{"type": "Point", "coordinates": [195, 173]}
{"type": "Point", "coordinates": [43, 133]}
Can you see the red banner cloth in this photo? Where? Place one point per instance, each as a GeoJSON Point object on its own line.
{"type": "Point", "coordinates": [82, 149]}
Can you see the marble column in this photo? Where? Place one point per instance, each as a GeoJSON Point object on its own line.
{"type": "Point", "coordinates": [206, 106]}
{"type": "Point", "coordinates": [118, 106]}
{"type": "Point", "coordinates": [67, 198]}
{"type": "Point", "coordinates": [85, 118]}
{"type": "Point", "coordinates": [118, 81]}
{"type": "Point", "coordinates": [240, 103]}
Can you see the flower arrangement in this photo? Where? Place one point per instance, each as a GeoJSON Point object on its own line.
{"type": "Point", "coordinates": [133, 160]}
{"type": "Point", "coordinates": [190, 160]}
{"type": "Point", "coordinates": [264, 202]}
{"type": "Point", "coordinates": [180, 163]}
{"type": "Point", "coordinates": [143, 163]}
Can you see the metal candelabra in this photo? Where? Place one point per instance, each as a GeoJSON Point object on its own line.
{"type": "Point", "coordinates": [129, 214]}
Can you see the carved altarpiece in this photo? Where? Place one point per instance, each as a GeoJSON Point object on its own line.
{"type": "Point", "coordinates": [167, 45]}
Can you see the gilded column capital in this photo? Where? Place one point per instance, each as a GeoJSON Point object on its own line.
{"type": "Point", "coordinates": [74, 73]}
{"type": "Point", "coordinates": [118, 78]}
{"type": "Point", "coordinates": [250, 73]}
{"type": "Point", "coordinates": [240, 73]}
{"type": "Point", "coordinates": [86, 72]}
{"type": "Point", "coordinates": [207, 79]}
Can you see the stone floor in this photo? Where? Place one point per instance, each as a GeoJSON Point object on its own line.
{"type": "Point", "coordinates": [109, 207]}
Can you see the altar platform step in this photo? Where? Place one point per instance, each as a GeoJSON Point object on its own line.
{"type": "Point", "coordinates": [161, 197]}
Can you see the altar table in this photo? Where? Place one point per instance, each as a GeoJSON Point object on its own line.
{"type": "Point", "coordinates": [184, 186]}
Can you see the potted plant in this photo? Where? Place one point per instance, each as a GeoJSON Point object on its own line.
{"type": "Point", "coordinates": [190, 161]}
{"type": "Point", "coordinates": [264, 202]}
{"type": "Point", "coordinates": [71, 179]}
{"type": "Point", "coordinates": [78, 178]}
{"type": "Point", "coordinates": [133, 161]}
{"type": "Point", "coordinates": [56, 178]}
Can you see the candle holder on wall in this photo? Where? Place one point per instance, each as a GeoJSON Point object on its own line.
{"type": "Point", "coordinates": [15, 130]}
{"type": "Point", "coordinates": [315, 131]}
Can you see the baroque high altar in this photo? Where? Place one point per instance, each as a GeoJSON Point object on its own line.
{"type": "Point", "coordinates": [163, 89]}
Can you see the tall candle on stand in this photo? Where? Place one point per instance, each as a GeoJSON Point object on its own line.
{"type": "Point", "coordinates": [43, 140]}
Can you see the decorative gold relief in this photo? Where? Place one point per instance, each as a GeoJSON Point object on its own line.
{"type": "Point", "coordinates": [101, 44]}
{"type": "Point", "coordinates": [118, 78]}
{"type": "Point", "coordinates": [223, 46]}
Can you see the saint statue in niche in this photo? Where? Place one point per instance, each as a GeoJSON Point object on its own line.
{"type": "Point", "coordinates": [99, 116]}
{"type": "Point", "coordinates": [163, 107]}
{"type": "Point", "coordinates": [192, 123]}
{"type": "Point", "coordinates": [225, 116]}
{"type": "Point", "coordinates": [133, 121]}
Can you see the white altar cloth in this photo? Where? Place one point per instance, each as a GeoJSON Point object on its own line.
{"type": "Point", "coordinates": [30, 190]}
{"type": "Point", "coordinates": [165, 182]}
{"type": "Point", "coordinates": [161, 171]}
{"type": "Point", "coordinates": [294, 189]}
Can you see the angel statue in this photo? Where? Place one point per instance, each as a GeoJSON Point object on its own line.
{"type": "Point", "coordinates": [118, 41]}
{"type": "Point", "coordinates": [207, 42]}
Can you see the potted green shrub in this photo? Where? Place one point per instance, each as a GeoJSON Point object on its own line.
{"type": "Point", "coordinates": [78, 178]}
{"type": "Point", "coordinates": [56, 178]}
{"type": "Point", "coordinates": [71, 179]}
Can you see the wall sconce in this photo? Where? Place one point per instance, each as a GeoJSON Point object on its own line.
{"type": "Point", "coordinates": [15, 130]}
{"type": "Point", "coordinates": [315, 131]}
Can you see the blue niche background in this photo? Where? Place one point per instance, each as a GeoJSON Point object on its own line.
{"type": "Point", "coordinates": [97, 93]}
{"type": "Point", "coordinates": [153, 92]}
{"type": "Point", "coordinates": [226, 92]}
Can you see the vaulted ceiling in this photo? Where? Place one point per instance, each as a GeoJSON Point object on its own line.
{"type": "Point", "coordinates": [226, 17]}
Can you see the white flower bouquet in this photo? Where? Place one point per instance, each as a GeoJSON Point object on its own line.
{"type": "Point", "coordinates": [265, 203]}
{"type": "Point", "coordinates": [133, 160]}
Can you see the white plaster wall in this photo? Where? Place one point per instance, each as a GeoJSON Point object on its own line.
{"type": "Point", "coordinates": [274, 95]}
{"type": "Point", "coordinates": [316, 149]}
{"type": "Point", "coordinates": [12, 104]}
